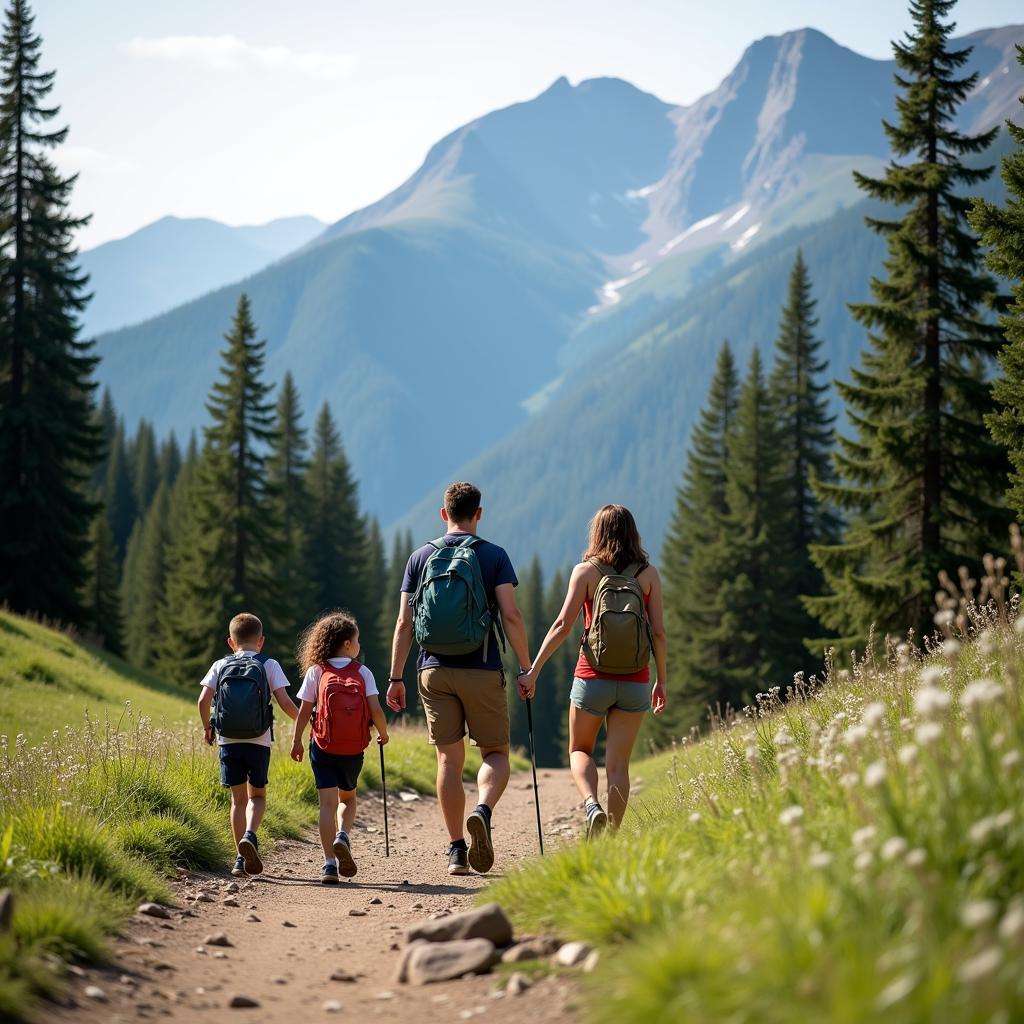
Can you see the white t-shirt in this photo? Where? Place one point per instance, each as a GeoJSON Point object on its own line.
{"type": "Point", "coordinates": [311, 681]}
{"type": "Point", "coordinates": [276, 678]}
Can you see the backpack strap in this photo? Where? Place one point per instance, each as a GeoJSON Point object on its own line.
{"type": "Point", "coordinates": [602, 567]}
{"type": "Point", "coordinates": [633, 570]}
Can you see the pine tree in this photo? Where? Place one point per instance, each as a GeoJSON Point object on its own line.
{"type": "Point", "coordinates": [1001, 230]}
{"type": "Point", "coordinates": [401, 548]}
{"type": "Point", "coordinates": [223, 547]}
{"type": "Point", "coordinates": [101, 598]}
{"type": "Point", "coordinates": [144, 471]}
{"type": "Point", "coordinates": [291, 601]}
{"type": "Point", "coordinates": [169, 461]}
{"type": "Point", "coordinates": [106, 421]}
{"type": "Point", "coordinates": [922, 481]}
{"type": "Point", "coordinates": [753, 610]}
{"type": "Point", "coordinates": [805, 434]}
{"type": "Point", "coordinates": [697, 559]}
{"type": "Point", "coordinates": [118, 493]}
{"type": "Point", "coordinates": [376, 654]}
{"type": "Point", "coordinates": [337, 532]}
{"type": "Point", "coordinates": [143, 579]}
{"type": "Point", "coordinates": [49, 437]}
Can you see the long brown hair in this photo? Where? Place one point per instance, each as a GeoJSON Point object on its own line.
{"type": "Point", "coordinates": [614, 538]}
{"type": "Point", "coordinates": [324, 638]}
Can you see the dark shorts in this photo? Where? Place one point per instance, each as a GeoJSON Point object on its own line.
{"type": "Point", "coordinates": [334, 771]}
{"type": "Point", "coordinates": [244, 762]}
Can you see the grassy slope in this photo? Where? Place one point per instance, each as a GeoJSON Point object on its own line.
{"type": "Point", "coordinates": [855, 855]}
{"type": "Point", "coordinates": [106, 788]}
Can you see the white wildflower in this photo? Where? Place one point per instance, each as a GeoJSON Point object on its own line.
{"type": "Point", "coordinates": [695, 818]}
{"type": "Point", "coordinates": [978, 913]}
{"type": "Point", "coordinates": [894, 847]}
{"type": "Point", "coordinates": [979, 693]}
{"type": "Point", "coordinates": [1011, 927]}
{"type": "Point", "coordinates": [1012, 757]}
{"type": "Point", "coordinates": [791, 816]}
{"type": "Point", "coordinates": [895, 992]}
{"type": "Point", "coordinates": [944, 617]}
{"type": "Point", "coordinates": [855, 735]}
{"type": "Point", "coordinates": [848, 780]}
{"type": "Point", "coordinates": [981, 966]}
{"type": "Point", "coordinates": [863, 860]}
{"type": "Point", "coordinates": [783, 738]}
{"type": "Point", "coordinates": [820, 859]}
{"type": "Point", "coordinates": [915, 858]}
{"type": "Point", "coordinates": [927, 733]}
{"type": "Point", "coordinates": [931, 702]}
{"type": "Point", "coordinates": [737, 812]}
{"type": "Point", "coordinates": [950, 649]}
{"type": "Point", "coordinates": [864, 837]}
{"type": "Point", "coordinates": [874, 775]}
{"type": "Point", "coordinates": [907, 754]}
{"type": "Point", "coordinates": [932, 675]}
{"type": "Point", "coordinates": [1004, 819]}
{"type": "Point", "coordinates": [1018, 624]}
{"type": "Point", "coordinates": [874, 715]}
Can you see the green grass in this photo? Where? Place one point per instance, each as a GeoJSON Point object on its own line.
{"type": "Point", "coordinates": [106, 788]}
{"type": "Point", "coordinates": [856, 853]}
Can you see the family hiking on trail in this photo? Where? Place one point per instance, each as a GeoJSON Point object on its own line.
{"type": "Point", "coordinates": [458, 605]}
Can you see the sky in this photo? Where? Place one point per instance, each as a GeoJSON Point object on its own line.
{"type": "Point", "coordinates": [247, 110]}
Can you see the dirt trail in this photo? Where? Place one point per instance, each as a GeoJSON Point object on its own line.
{"type": "Point", "coordinates": [305, 932]}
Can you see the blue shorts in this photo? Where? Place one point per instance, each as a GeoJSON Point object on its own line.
{"type": "Point", "coordinates": [334, 771]}
{"type": "Point", "coordinates": [599, 696]}
{"type": "Point", "coordinates": [244, 762]}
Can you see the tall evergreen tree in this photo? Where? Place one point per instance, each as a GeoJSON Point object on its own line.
{"type": "Point", "coordinates": [118, 493]}
{"type": "Point", "coordinates": [106, 421]}
{"type": "Point", "coordinates": [145, 474]}
{"type": "Point", "coordinates": [753, 608]}
{"type": "Point", "coordinates": [697, 558]}
{"type": "Point", "coordinates": [401, 548]}
{"type": "Point", "coordinates": [169, 461]}
{"type": "Point", "coordinates": [376, 653]}
{"type": "Point", "coordinates": [1001, 229]}
{"type": "Point", "coordinates": [101, 597]}
{"type": "Point", "coordinates": [292, 595]}
{"type": "Point", "coordinates": [805, 435]}
{"type": "Point", "coordinates": [49, 438]}
{"type": "Point", "coordinates": [337, 531]}
{"type": "Point", "coordinates": [922, 480]}
{"type": "Point", "coordinates": [223, 545]}
{"type": "Point", "coordinates": [144, 578]}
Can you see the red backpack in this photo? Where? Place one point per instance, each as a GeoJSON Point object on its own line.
{"type": "Point", "coordinates": [342, 721]}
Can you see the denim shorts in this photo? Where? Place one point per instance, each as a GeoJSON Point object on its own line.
{"type": "Point", "coordinates": [599, 696]}
{"type": "Point", "coordinates": [334, 771]}
{"type": "Point", "coordinates": [244, 762]}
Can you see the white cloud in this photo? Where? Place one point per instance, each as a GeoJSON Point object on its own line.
{"type": "Point", "coordinates": [229, 53]}
{"type": "Point", "coordinates": [72, 158]}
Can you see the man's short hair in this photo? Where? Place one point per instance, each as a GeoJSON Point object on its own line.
{"type": "Point", "coordinates": [245, 626]}
{"type": "Point", "coordinates": [461, 501]}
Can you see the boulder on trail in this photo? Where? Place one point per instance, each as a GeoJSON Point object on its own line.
{"type": "Point", "coordinates": [442, 961]}
{"type": "Point", "coordinates": [530, 949]}
{"type": "Point", "coordinates": [486, 922]}
{"type": "Point", "coordinates": [402, 971]}
{"type": "Point", "coordinates": [572, 953]}
{"type": "Point", "coordinates": [242, 1002]}
{"type": "Point", "coordinates": [218, 939]}
{"type": "Point", "coordinates": [155, 910]}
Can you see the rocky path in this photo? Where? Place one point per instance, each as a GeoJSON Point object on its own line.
{"type": "Point", "coordinates": [304, 952]}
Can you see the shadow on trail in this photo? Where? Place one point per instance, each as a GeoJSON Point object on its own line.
{"type": "Point", "coordinates": [416, 888]}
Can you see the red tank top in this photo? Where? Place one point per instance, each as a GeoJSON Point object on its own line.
{"type": "Point", "coordinates": [583, 669]}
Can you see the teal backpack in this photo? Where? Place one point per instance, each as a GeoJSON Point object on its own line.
{"type": "Point", "coordinates": [451, 612]}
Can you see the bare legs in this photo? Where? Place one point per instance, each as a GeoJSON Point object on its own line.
{"type": "Point", "coordinates": [623, 727]}
{"type": "Point", "coordinates": [337, 814]}
{"type": "Point", "coordinates": [491, 781]}
{"type": "Point", "coordinates": [247, 807]}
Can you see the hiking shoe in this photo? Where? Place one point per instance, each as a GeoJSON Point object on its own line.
{"type": "Point", "coordinates": [481, 852]}
{"type": "Point", "coordinates": [342, 850]}
{"type": "Point", "coordinates": [249, 850]}
{"type": "Point", "coordinates": [597, 820]}
{"type": "Point", "coordinates": [458, 860]}
{"type": "Point", "coordinates": [329, 874]}
{"type": "Point", "coordinates": [239, 869]}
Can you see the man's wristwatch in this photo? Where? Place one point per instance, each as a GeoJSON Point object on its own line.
{"type": "Point", "coordinates": [396, 679]}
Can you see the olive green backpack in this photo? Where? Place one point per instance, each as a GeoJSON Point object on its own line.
{"type": "Point", "coordinates": [618, 641]}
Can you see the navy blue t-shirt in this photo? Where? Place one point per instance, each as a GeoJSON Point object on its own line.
{"type": "Point", "coordinates": [496, 569]}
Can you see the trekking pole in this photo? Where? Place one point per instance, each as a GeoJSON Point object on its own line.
{"type": "Point", "coordinates": [384, 790]}
{"type": "Point", "coordinates": [533, 765]}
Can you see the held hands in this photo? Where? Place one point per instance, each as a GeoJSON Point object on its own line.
{"type": "Point", "coordinates": [658, 697]}
{"type": "Point", "coordinates": [526, 683]}
{"type": "Point", "coordinates": [297, 750]}
{"type": "Point", "coordinates": [396, 697]}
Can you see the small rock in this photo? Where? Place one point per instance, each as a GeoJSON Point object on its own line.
{"type": "Point", "coordinates": [252, 917]}
{"type": "Point", "coordinates": [218, 939]}
{"type": "Point", "coordinates": [593, 959]}
{"type": "Point", "coordinates": [385, 995]}
{"type": "Point", "coordinates": [241, 1002]}
{"type": "Point", "coordinates": [127, 979]}
{"type": "Point", "coordinates": [530, 949]}
{"type": "Point", "coordinates": [204, 897]}
{"type": "Point", "coordinates": [417, 906]}
{"type": "Point", "coordinates": [231, 887]}
{"type": "Point", "coordinates": [280, 981]}
{"type": "Point", "coordinates": [376, 901]}
{"type": "Point", "coordinates": [331, 1006]}
{"type": "Point", "coordinates": [6, 909]}
{"type": "Point", "coordinates": [342, 975]}
{"type": "Point", "coordinates": [288, 924]}
{"type": "Point", "coordinates": [572, 953]}
{"type": "Point", "coordinates": [486, 922]}
{"type": "Point", "coordinates": [146, 941]}
{"type": "Point", "coordinates": [407, 797]}
{"type": "Point", "coordinates": [252, 906]}
{"type": "Point", "coordinates": [354, 912]}
{"type": "Point", "coordinates": [201, 950]}
{"type": "Point", "coordinates": [220, 955]}
{"type": "Point", "coordinates": [517, 984]}
{"type": "Point", "coordinates": [73, 969]}
{"type": "Point", "coordinates": [96, 993]}
{"type": "Point", "coordinates": [229, 902]}
{"type": "Point", "coordinates": [438, 914]}
{"type": "Point", "coordinates": [394, 946]}
{"type": "Point", "coordinates": [405, 881]}
{"type": "Point", "coordinates": [154, 910]}
{"type": "Point", "coordinates": [441, 961]}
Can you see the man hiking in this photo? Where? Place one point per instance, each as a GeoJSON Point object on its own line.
{"type": "Point", "coordinates": [458, 603]}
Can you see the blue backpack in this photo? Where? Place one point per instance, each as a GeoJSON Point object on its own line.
{"type": "Point", "coordinates": [241, 700]}
{"type": "Point", "coordinates": [451, 613]}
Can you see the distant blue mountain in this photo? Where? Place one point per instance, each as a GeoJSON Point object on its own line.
{"type": "Point", "coordinates": [175, 260]}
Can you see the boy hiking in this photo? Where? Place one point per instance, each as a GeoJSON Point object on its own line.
{"type": "Point", "coordinates": [457, 595]}
{"type": "Point", "coordinates": [344, 695]}
{"type": "Point", "coordinates": [238, 691]}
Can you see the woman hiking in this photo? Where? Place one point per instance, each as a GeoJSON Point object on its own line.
{"type": "Point", "coordinates": [612, 676]}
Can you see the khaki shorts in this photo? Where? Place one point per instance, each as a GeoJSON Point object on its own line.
{"type": "Point", "coordinates": [456, 697]}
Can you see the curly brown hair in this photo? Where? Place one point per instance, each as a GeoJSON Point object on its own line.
{"type": "Point", "coordinates": [324, 638]}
